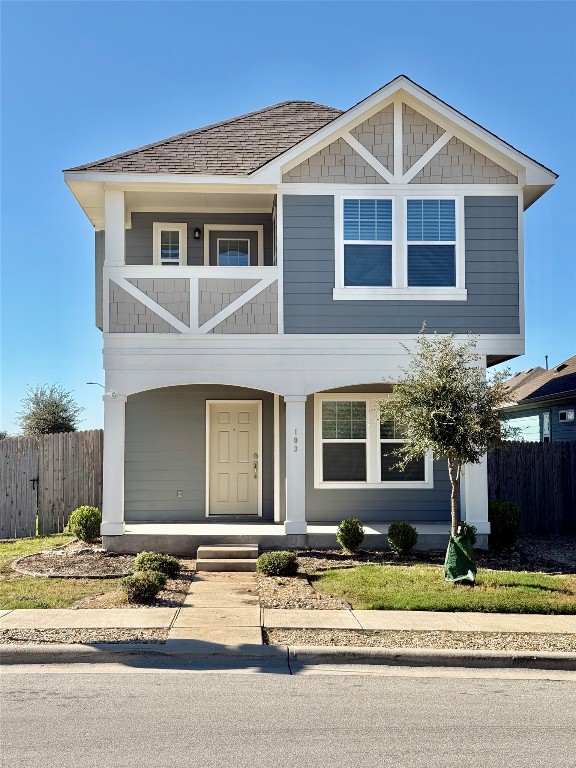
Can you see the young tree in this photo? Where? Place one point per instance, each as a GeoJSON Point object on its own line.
{"type": "Point", "coordinates": [47, 409]}
{"type": "Point", "coordinates": [445, 404]}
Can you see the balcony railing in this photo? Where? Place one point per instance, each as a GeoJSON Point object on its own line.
{"type": "Point", "coordinates": [190, 300]}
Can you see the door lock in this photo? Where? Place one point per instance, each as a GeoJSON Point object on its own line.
{"type": "Point", "coordinates": [255, 457]}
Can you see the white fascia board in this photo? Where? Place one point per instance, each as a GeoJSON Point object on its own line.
{"type": "Point", "coordinates": [431, 107]}
{"type": "Point", "coordinates": [131, 181]}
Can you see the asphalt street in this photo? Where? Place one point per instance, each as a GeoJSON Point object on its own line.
{"type": "Point", "coordinates": [113, 719]}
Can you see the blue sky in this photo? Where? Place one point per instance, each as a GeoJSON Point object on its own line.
{"type": "Point", "coordinates": [83, 80]}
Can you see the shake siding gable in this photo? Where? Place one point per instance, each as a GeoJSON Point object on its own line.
{"type": "Point", "coordinates": [491, 247]}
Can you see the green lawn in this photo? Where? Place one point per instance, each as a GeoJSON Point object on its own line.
{"type": "Point", "coordinates": [422, 588]}
{"type": "Point", "coordinates": [17, 591]}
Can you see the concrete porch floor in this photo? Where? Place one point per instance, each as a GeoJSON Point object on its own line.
{"type": "Point", "coordinates": [185, 538]}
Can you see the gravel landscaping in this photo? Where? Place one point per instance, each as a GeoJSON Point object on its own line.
{"type": "Point", "coordinates": [86, 636]}
{"type": "Point", "coordinates": [471, 641]}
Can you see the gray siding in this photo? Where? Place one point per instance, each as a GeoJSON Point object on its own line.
{"type": "Point", "coordinates": [99, 267]}
{"type": "Point", "coordinates": [372, 505]}
{"type": "Point", "coordinates": [166, 452]}
{"type": "Point", "coordinates": [139, 239]}
{"type": "Point", "coordinates": [491, 225]}
{"type": "Point", "coordinates": [559, 430]}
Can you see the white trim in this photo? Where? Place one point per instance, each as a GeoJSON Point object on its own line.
{"type": "Point", "coordinates": [398, 140]}
{"type": "Point", "coordinates": [164, 226]}
{"type": "Point", "coordinates": [372, 453]}
{"type": "Point", "coordinates": [258, 228]}
{"type": "Point", "coordinates": [280, 259]}
{"type": "Point", "coordinates": [114, 216]}
{"type": "Point", "coordinates": [521, 286]}
{"type": "Point", "coordinates": [209, 403]}
{"type": "Point", "coordinates": [427, 156]}
{"type": "Point", "coordinates": [426, 190]}
{"type": "Point", "coordinates": [372, 161]}
{"type": "Point", "coordinates": [277, 494]}
{"type": "Point", "coordinates": [371, 293]}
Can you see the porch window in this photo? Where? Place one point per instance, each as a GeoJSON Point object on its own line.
{"type": "Point", "coordinates": [233, 253]}
{"type": "Point", "coordinates": [169, 244]}
{"type": "Point", "coordinates": [354, 448]}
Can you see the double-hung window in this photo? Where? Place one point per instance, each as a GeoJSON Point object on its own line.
{"type": "Point", "coordinates": [367, 242]}
{"type": "Point", "coordinates": [355, 449]}
{"type": "Point", "coordinates": [399, 247]}
{"type": "Point", "coordinates": [169, 244]}
{"type": "Point", "coordinates": [431, 238]}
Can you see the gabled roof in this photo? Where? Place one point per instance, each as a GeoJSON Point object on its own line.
{"type": "Point", "coordinates": [236, 147]}
{"type": "Point", "coordinates": [538, 384]}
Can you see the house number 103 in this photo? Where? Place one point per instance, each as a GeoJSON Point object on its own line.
{"type": "Point", "coordinates": [295, 441]}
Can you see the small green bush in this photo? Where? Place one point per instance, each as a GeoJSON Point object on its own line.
{"type": "Point", "coordinates": [350, 534]}
{"type": "Point", "coordinates": [155, 561]}
{"type": "Point", "coordinates": [401, 537]}
{"type": "Point", "coordinates": [143, 586]}
{"type": "Point", "coordinates": [505, 518]}
{"type": "Point", "coordinates": [277, 564]}
{"type": "Point", "coordinates": [469, 530]}
{"type": "Point", "coordinates": [85, 523]}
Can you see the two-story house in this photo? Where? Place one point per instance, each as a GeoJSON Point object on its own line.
{"type": "Point", "coordinates": [260, 285]}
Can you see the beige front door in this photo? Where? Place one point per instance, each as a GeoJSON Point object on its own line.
{"type": "Point", "coordinates": [233, 458]}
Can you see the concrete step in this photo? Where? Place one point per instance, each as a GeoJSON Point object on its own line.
{"type": "Point", "coordinates": [226, 564]}
{"type": "Point", "coordinates": [249, 552]}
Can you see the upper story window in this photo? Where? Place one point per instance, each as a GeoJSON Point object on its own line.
{"type": "Point", "coordinates": [400, 247]}
{"type": "Point", "coordinates": [431, 239]}
{"type": "Point", "coordinates": [368, 242]}
{"type": "Point", "coordinates": [354, 448]}
{"type": "Point", "coordinates": [169, 244]}
{"type": "Point", "coordinates": [233, 245]}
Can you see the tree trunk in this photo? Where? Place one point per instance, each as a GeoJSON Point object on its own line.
{"type": "Point", "coordinates": [454, 473]}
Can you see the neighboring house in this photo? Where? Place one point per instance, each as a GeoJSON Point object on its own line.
{"type": "Point", "coordinates": [543, 403]}
{"type": "Point", "coordinates": [258, 283]}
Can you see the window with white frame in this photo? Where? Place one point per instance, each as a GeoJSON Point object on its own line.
{"type": "Point", "coordinates": [566, 415]}
{"type": "Point", "coordinates": [169, 244]}
{"type": "Point", "coordinates": [399, 247]}
{"type": "Point", "coordinates": [367, 242]}
{"type": "Point", "coordinates": [431, 239]}
{"type": "Point", "coordinates": [354, 448]}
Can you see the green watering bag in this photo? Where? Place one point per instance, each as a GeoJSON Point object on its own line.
{"type": "Point", "coordinates": [459, 564]}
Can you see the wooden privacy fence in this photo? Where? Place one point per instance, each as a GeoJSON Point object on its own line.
{"type": "Point", "coordinates": [46, 478]}
{"type": "Point", "coordinates": [541, 479]}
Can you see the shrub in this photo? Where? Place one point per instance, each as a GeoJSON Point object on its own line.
{"type": "Point", "coordinates": [277, 564]}
{"type": "Point", "coordinates": [155, 561]}
{"type": "Point", "coordinates": [85, 523]}
{"type": "Point", "coordinates": [401, 537]}
{"type": "Point", "coordinates": [143, 586]}
{"type": "Point", "coordinates": [469, 530]}
{"type": "Point", "coordinates": [350, 534]}
{"type": "Point", "coordinates": [505, 518]}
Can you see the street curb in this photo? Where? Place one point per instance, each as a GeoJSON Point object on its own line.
{"type": "Point", "coordinates": [294, 656]}
{"type": "Point", "coordinates": [110, 653]}
{"type": "Point", "coordinates": [317, 655]}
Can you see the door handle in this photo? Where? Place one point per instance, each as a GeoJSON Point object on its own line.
{"type": "Point", "coordinates": [255, 457]}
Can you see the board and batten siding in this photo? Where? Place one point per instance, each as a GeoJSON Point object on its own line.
{"type": "Point", "coordinates": [139, 239]}
{"type": "Point", "coordinates": [491, 247]}
{"type": "Point", "coordinates": [166, 452]}
{"type": "Point", "coordinates": [370, 505]}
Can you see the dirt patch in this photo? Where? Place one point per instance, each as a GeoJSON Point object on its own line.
{"type": "Point", "coordinates": [294, 592]}
{"type": "Point", "coordinates": [75, 562]}
{"type": "Point", "coordinates": [172, 596]}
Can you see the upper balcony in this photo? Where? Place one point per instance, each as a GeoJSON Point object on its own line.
{"type": "Point", "coordinates": [188, 269]}
{"type": "Point", "coordinates": [191, 300]}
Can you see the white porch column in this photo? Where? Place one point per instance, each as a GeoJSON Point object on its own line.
{"type": "Point", "coordinates": [295, 464]}
{"type": "Point", "coordinates": [113, 471]}
{"type": "Point", "coordinates": [474, 495]}
{"type": "Point", "coordinates": [114, 213]}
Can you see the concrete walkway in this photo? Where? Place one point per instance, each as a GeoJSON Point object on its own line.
{"type": "Point", "coordinates": [223, 608]}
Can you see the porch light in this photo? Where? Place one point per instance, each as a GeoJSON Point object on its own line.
{"type": "Point", "coordinates": [197, 233]}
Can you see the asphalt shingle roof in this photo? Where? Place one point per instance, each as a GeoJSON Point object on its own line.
{"type": "Point", "coordinates": [537, 382]}
{"type": "Point", "coordinates": [238, 146]}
